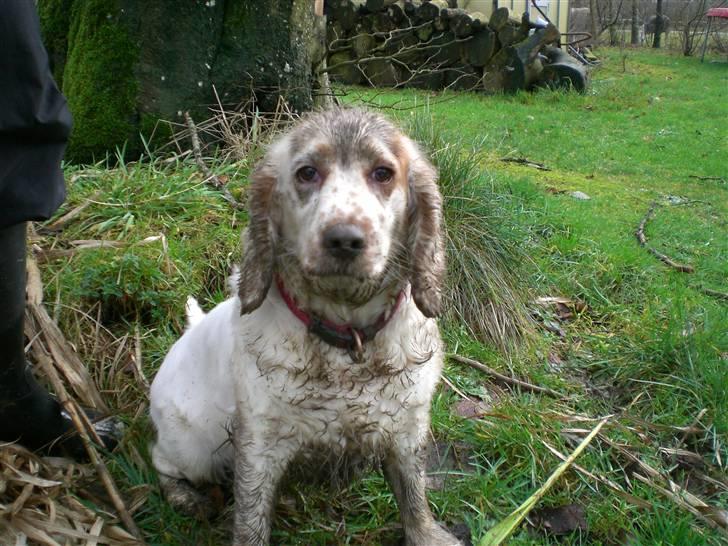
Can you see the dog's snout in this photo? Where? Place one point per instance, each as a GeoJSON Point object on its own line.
{"type": "Point", "coordinates": [345, 241]}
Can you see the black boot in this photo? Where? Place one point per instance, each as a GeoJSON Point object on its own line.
{"type": "Point", "coordinates": [28, 413]}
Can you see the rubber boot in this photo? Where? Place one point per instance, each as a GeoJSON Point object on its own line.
{"type": "Point", "coordinates": [28, 413]}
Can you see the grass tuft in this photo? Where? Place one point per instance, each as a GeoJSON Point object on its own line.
{"type": "Point", "coordinates": [482, 238]}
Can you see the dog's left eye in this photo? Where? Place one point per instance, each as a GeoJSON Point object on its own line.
{"type": "Point", "coordinates": [382, 174]}
{"type": "Point", "coordinates": [307, 174]}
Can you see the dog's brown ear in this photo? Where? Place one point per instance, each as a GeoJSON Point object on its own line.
{"type": "Point", "coordinates": [256, 270]}
{"type": "Point", "coordinates": [425, 235]}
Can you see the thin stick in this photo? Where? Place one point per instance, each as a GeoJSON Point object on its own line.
{"type": "Point", "coordinates": [640, 234]}
{"type": "Point", "coordinates": [210, 177]}
{"type": "Point", "coordinates": [637, 501]}
{"type": "Point", "coordinates": [72, 214]}
{"type": "Point", "coordinates": [506, 379]}
{"type": "Point", "coordinates": [65, 357]}
{"type": "Point", "coordinates": [456, 390]}
{"type": "Point", "coordinates": [714, 293]}
{"type": "Point", "coordinates": [138, 358]}
{"type": "Point", "coordinates": [694, 426]}
{"type": "Point", "coordinates": [526, 162]}
{"type": "Point", "coordinates": [83, 429]}
{"type": "Point", "coordinates": [691, 502]}
{"type": "Point", "coordinates": [716, 178]}
{"type": "Point", "coordinates": [679, 499]}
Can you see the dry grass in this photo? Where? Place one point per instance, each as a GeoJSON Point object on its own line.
{"type": "Point", "coordinates": [46, 501]}
{"type": "Point", "coordinates": [235, 135]}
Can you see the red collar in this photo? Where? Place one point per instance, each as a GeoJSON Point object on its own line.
{"type": "Point", "coordinates": [343, 336]}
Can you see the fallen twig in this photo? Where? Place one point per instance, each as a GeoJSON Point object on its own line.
{"type": "Point", "coordinates": [717, 178]}
{"type": "Point", "coordinates": [714, 517]}
{"type": "Point", "coordinates": [506, 379]}
{"type": "Point", "coordinates": [210, 177]}
{"type": "Point", "coordinates": [640, 234]}
{"type": "Point", "coordinates": [694, 425]}
{"type": "Point", "coordinates": [34, 283]}
{"type": "Point", "coordinates": [526, 162]}
{"type": "Point", "coordinates": [44, 255]}
{"type": "Point", "coordinates": [455, 389]}
{"type": "Point", "coordinates": [76, 374]}
{"type": "Point", "coordinates": [637, 501]}
{"type": "Point", "coordinates": [714, 293]}
{"type": "Point", "coordinates": [137, 358]}
{"type": "Point", "coordinates": [72, 214]}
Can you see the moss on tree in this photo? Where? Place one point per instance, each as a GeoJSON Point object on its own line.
{"type": "Point", "coordinates": [125, 64]}
{"type": "Point", "coordinates": [99, 81]}
{"type": "Point", "coordinates": [55, 19]}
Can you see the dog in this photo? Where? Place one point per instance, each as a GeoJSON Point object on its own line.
{"type": "Point", "coordinates": [329, 350]}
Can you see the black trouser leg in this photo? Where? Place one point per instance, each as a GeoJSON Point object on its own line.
{"type": "Point", "coordinates": [28, 414]}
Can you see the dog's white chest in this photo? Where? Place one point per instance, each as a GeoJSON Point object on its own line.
{"type": "Point", "coordinates": [327, 400]}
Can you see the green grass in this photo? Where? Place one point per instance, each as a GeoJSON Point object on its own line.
{"type": "Point", "coordinates": [649, 347]}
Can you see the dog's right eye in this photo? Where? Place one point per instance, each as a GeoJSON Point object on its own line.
{"type": "Point", "coordinates": [307, 174]}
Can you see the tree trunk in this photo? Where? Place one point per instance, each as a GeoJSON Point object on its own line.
{"type": "Point", "coordinates": [593, 22]}
{"type": "Point", "coordinates": [635, 30]}
{"type": "Point", "coordinates": [122, 69]}
{"type": "Point", "coordinates": [612, 21]}
{"type": "Point", "coordinates": [658, 25]}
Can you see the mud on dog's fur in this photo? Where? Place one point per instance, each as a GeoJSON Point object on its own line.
{"type": "Point", "coordinates": [344, 228]}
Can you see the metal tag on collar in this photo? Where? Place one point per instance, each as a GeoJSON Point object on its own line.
{"type": "Point", "coordinates": [356, 351]}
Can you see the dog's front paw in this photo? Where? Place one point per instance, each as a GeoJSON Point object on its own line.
{"type": "Point", "coordinates": [433, 536]}
{"type": "Point", "coordinates": [184, 498]}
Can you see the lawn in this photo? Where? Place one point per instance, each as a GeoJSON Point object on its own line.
{"type": "Point", "coordinates": [632, 338]}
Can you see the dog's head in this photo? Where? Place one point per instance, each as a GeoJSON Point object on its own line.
{"type": "Point", "coordinates": [352, 202]}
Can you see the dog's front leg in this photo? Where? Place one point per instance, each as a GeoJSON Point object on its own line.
{"type": "Point", "coordinates": [261, 458]}
{"type": "Point", "coordinates": [405, 471]}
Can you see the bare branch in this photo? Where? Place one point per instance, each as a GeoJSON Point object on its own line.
{"type": "Point", "coordinates": [210, 177]}
{"type": "Point", "coordinates": [640, 234]}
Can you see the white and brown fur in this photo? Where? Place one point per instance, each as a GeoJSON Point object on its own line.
{"type": "Point", "coordinates": [252, 367]}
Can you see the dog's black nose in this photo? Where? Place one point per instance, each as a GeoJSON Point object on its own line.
{"type": "Point", "coordinates": [344, 241]}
